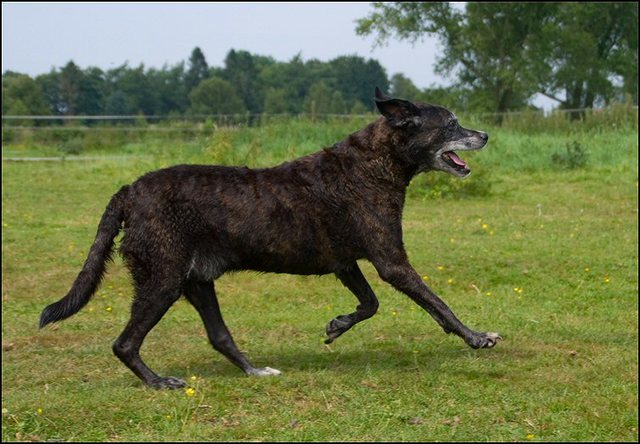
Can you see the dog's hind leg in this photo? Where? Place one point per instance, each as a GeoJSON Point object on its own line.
{"type": "Point", "coordinates": [202, 296]}
{"type": "Point", "coordinates": [353, 279]}
{"type": "Point", "coordinates": [148, 307]}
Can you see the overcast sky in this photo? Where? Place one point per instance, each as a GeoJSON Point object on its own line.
{"type": "Point", "coordinates": [39, 36]}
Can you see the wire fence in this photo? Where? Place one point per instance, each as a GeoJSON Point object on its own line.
{"type": "Point", "coordinates": [73, 135]}
{"type": "Point", "coordinates": [152, 122]}
{"type": "Point", "coordinates": [259, 116]}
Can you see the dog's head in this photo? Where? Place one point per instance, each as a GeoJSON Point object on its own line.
{"type": "Point", "coordinates": [429, 135]}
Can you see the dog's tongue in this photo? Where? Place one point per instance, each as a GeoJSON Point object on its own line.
{"type": "Point", "coordinates": [458, 161]}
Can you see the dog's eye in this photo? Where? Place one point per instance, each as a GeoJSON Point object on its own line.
{"type": "Point", "coordinates": [452, 125]}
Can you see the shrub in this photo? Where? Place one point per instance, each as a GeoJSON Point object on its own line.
{"type": "Point", "coordinates": [575, 156]}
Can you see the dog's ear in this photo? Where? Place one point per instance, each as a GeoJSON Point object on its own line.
{"type": "Point", "coordinates": [380, 95]}
{"type": "Point", "coordinates": [398, 112]}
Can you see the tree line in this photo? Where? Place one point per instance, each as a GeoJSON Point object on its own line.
{"type": "Point", "coordinates": [498, 55]}
{"type": "Point", "coordinates": [247, 83]}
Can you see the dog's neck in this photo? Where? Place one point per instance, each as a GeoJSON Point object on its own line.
{"type": "Point", "coordinates": [380, 150]}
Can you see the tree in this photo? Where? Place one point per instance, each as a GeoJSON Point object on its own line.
{"type": "Point", "coordinates": [169, 85]}
{"type": "Point", "coordinates": [242, 70]}
{"type": "Point", "coordinates": [91, 100]}
{"type": "Point", "coordinates": [50, 87]}
{"type": "Point", "coordinates": [136, 87]}
{"type": "Point", "coordinates": [198, 69]}
{"type": "Point", "coordinates": [215, 96]}
{"type": "Point", "coordinates": [292, 78]}
{"type": "Point", "coordinates": [117, 104]}
{"type": "Point", "coordinates": [592, 45]}
{"type": "Point", "coordinates": [401, 86]}
{"type": "Point", "coordinates": [359, 108]}
{"type": "Point", "coordinates": [356, 78]}
{"type": "Point", "coordinates": [338, 105]}
{"type": "Point", "coordinates": [21, 95]}
{"type": "Point", "coordinates": [70, 89]}
{"type": "Point", "coordinates": [318, 101]}
{"type": "Point", "coordinates": [275, 101]}
{"type": "Point", "coordinates": [490, 46]}
{"type": "Point", "coordinates": [504, 53]}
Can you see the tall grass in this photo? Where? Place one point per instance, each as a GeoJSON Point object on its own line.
{"type": "Point", "coordinates": [75, 136]}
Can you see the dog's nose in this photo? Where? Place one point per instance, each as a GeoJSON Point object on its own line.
{"type": "Point", "coordinates": [484, 136]}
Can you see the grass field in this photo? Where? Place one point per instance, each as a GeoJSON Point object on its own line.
{"type": "Point", "coordinates": [540, 244]}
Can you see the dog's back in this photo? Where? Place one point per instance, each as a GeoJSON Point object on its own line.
{"type": "Point", "coordinates": [290, 218]}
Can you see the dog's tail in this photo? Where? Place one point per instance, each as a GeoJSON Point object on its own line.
{"type": "Point", "coordinates": [94, 267]}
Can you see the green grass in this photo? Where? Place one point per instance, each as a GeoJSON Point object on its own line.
{"type": "Point", "coordinates": [546, 255]}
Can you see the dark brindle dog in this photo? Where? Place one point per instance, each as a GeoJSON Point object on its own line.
{"type": "Point", "coordinates": [187, 225]}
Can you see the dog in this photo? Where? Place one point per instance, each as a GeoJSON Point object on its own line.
{"type": "Point", "coordinates": [186, 225]}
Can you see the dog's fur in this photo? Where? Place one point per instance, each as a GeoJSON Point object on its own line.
{"type": "Point", "coordinates": [187, 225]}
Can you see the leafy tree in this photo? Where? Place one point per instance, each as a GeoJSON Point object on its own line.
{"type": "Point", "coordinates": [50, 86]}
{"type": "Point", "coordinates": [92, 85]}
{"type": "Point", "coordinates": [169, 85]}
{"type": "Point", "coordinates": [318, 100]}
{"type": "Point", "coordinates": [338, 105]}
{"type": "Point", "coordinates": [359, 108]}
{"type": "Point", "coordinates": [21, 95]}
{"type": "Point", "coordinates": [292, 78]}
{"type": "Point", "coordinates": [215, 96]}
{"type": "Point", "coordinates": [70, 89]}
{"type": "Point", "coordinates": [275, 101]}
{"type": "Point", "coordinates": [136, 87]}
{"type": "Point", "coordinates": [242, 69]}
{"type": "Point", "coordinates": [592, 44]}
{"type": "Point", "coordinates": [198, 69]}
{"type": "Point", "coordinates": [356, 78]}
{"type": "Point", "coordinates": [117, 104]}
{"type": "Point", "coordinates": [402, 86]}
{"type": "Point", "coordinates": [503, 53]}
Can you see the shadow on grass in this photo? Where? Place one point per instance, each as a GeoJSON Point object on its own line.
{"type": "Point", "coordinates": [392, 358]}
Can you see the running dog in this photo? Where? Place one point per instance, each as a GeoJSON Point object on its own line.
{"type": "Point", "coordinates": [186, 225]}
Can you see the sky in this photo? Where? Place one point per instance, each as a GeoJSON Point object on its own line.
{"type": "Point", "coordinates": [37, 37]}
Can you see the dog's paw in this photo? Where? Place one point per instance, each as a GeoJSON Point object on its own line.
{"type": "Point", "coordinates": [265, 371]}
{"type": "Point", "coordinates": [483, 340]}
{"type": "Point", "coordinates": [168, 383]}
{"type": "Point", "coordinates": [336, 327]}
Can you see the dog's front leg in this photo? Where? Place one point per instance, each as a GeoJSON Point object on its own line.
{"type": "Point", "coordinates": [353, 279]}
{"type": "Point", "coordinates": [404, 278]}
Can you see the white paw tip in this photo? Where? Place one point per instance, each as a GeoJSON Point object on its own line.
{"type": "Point", "coordinates": [266, 371]}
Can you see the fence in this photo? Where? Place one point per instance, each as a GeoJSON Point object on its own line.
{"type": "Point", "coordinates": [254, 119]}
{"type": "Point", "coordinates": [71, 133]}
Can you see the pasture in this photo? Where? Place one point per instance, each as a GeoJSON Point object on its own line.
{"type": "Point", "coordinates": [539, 244]}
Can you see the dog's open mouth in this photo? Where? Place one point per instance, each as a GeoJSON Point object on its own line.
{"type": "Point", "coordinates": [452, 159]}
